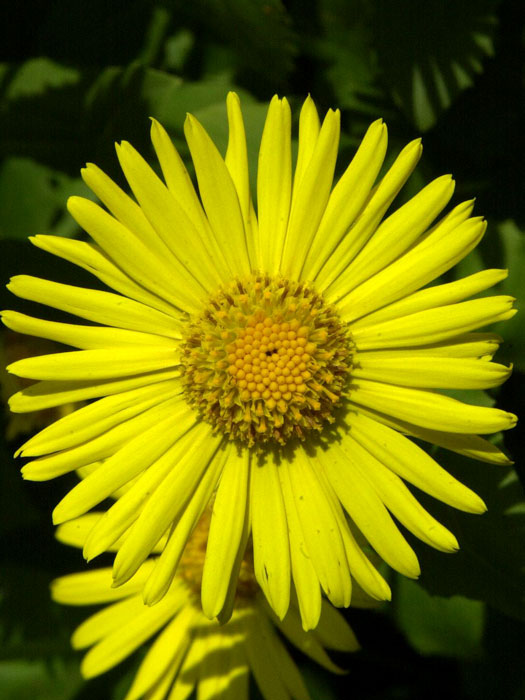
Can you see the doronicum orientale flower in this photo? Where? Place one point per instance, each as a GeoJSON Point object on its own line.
{"type": "Point", "coordinates": [279, 360]}
{"type": "Point", "coordinates": [191, 651]}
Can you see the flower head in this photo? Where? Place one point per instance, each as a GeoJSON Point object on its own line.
{"type": "Point", "coordinates": [280, 361]}
{"type": "Point", "coordinates": [190, 651]}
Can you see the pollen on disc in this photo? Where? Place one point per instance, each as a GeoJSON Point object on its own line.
{"type": "Point", "coordinates": [267, 360]}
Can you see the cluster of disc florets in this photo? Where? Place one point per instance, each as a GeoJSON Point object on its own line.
{"type": "Point", "coordinates": [267, 360]}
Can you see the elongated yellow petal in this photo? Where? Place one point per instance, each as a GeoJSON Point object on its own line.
{"type": "Point", "coordinates": [271, 548]}
{"type": "Point", "coordinates": [165, 655]}
{"type": "Point", "coordinates": [347, 198]}
{"type": "Point", "coordinates": [360, 566]}
{"type": "Point", "coordinates": [226, 530]}
{"type": "Point", "coordinates": [136, 454]}
{"type": "Point", "coordinates": [310, 195]}
{"type": "Point", "coordinates": [305, 641]}
{"type": "Point", "coordinates": [166, 503]}
{"type": "Point", "coordinates": [270, 683]}
{"type": "Point", "coordinates": [395, 235]}
{"type": "Point", "coordinates": [370, 216]}
{"type": "Point", "coordinates": [430, 410]}
{"type": "Point", "coordinates": [237, 163]}
{"type": "Point", "coordinates": [129, 636]}
{"type": "Point", "coordinates": [398, 499]}
{"type": "Point", "coordinates": [433, 297]}
{"type": "Point", "coordinates": [55, 393]}
{"type": "Point", "coordinates": [97, 418]}
{"type": "Point", "coordinates": [412, 271]}
{"type": "Point", "coordinates": [366, 509]}
{"type": "Point", "coordinates": [123, 208]}
{"type": "Point", "coordinates": [333, 632]}
{"type": "Point", "coordinates": [161, 275]}
{"type": "Point", "coordinates": [309, 127]}
{"type": "Point", "coordinates": [83, 337]}
{"type": "Point", "coordinates": [89, 257]}
{"type": "Point", "coordinates": [406, 369]}
{"type": "Point", "coordinates": [101, 307]}
{"type": "Point", "coordinates": [181, 188]}
{"type": "Point", "coordinates": [274, 185]}
{"type": "Point", "coordinates": [166, 566]}
{"type": "Point", "coordinates": [305, 577]}
{"type": "Point", "coordinates": [218, 196]}
{"type": "Point", "coordinates": [181, 240]}
{"type": "Point", "coordinates": [434, 325]}
{"type": "Point", "coordinates": [105, 622]}
{"type": "Point", "coordinates": [321, 531]}
{"type": "Point", "coordinates": [102, 446]}
{"type": "Point", "coordinates": [271, 646]}
{"type": "Point", "coordinates": [128, 507]}
{"type": "Point", "coordinates": [410, 462]}
{"type": "Point", "coordinates": [95, 364]}
{"type": "Point", "coordinates": [91, 587]}
{"type": "Point", "coordinates": [472, 446]}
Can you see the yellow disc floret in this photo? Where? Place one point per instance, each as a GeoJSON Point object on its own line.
{"type": "Point", "coordinates": [267, 360]}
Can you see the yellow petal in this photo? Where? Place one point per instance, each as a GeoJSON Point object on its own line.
{"type": "Point", "coordinates": [226, 531]}
{"type": "Point", "coordinates": [89, 257]}
{"type": "Point", "coordinates": [166, 503]}
{"type": "Point", "coordinates": [105, 308]}
{"type": "Point", "coordinates": [166, 565]}
{"type": "Point", "coordinates": [237, 163]}
{"type": "Point", "coordinates": [55, 393]}
{"type": "Point", "coordinates": [271, 549]}
{"type": "Point", "coordinates": [434, 325]}
{"type": "Point", "coordinates": [305, 577]}
{"type": "Point", "coordinates": [320, 530]}
{"type": "Point", "coordinates": [398, 499]}
{"type": "Point", "coordinates": [95, 364]}
{"type": "Point", "coordinates": [162, 275]}
{"type": "Point", "coordinates": [411, 369]}
{"type": "Point", "coordinates": [83, 337]}
{"type": "Point", "coordinates": [181, 188]}
{"type": "Point", "coordinates": [97, 418]}
{"type": "Point", "coordinates": [136, 454]}
{"type": "Point", "coordinates": [274, 185]}
{"type": "Point", "coordinates": [347, 198]}
{"type": "Point", "coordinates": [432, 297]}
{"type": "Point", "coordinates": [366, 509]}
{"type": "Point", "coordinates": [429, 409]}
{"type": "Point", "coordinates": [412, 271]}
{"type": "Point", "coordinates": [394, 236]}
{"type": "Point", "coordinates": [310, 196]}
{"type": "Point", "coordinates": [218, 196]}
{"type": "Point", "coordinates": [370, 216]}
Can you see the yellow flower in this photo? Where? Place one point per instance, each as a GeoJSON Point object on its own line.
{"type": "Point", "coordinates": [190, 651]}
{"type": "Point", "coordinates": [278, 360]}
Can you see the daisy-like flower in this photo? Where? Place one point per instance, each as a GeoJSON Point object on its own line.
{"type": "Point", "coordinates": [281, 361]}
{"type": "Point", "coordinates": [191, 651]}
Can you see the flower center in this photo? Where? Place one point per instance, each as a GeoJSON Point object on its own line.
{"type": "Point", "coordinates": [267, 360]}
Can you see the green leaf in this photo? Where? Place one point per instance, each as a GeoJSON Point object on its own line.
{"type": "Point", "coordinates": [258, 34]}
{"type": "Point", "coordinates": [490, 564]}
{"type": "Point", "coordinates": [429, 52]}
{"type": "Point", "coordinates": [346, 48]}
{"type": "Point", "coordinates": [38, 75]}
{"type": "Point", "coordinates": [435, 625]}
{"type": "Point", "coordinates": [33, 198]}
{"type": "Point", "coordinates": [21, 679]}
